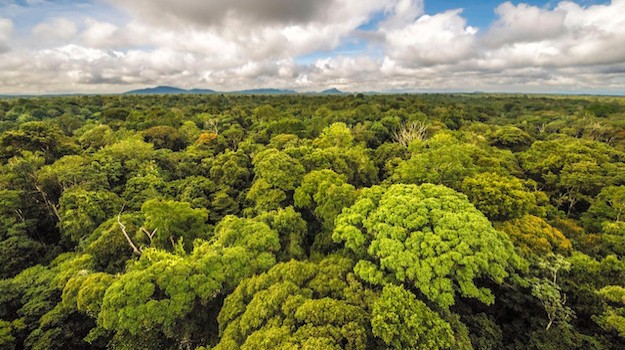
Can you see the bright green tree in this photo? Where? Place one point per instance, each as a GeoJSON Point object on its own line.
{"type": "Point", "coordinates": [404, 322]}
{"type": "Point", "coordinates": [172, 222]}
{"type": "Point", "coordinates": [503, 197]}
{"type": "Point", "coordinates": [325, 194]}
{"type": "Point", "coordinates": [277, 176]}
{"type": "Point", "coordinates": [428, 236]}
{"type": "Point", "coordinates": [298, 305]}
{"type": "Point", "coordinates": [82, 211]}
{"type": "Point", "coordinates": [172, 294]}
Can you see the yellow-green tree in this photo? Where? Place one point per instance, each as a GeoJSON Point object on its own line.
{"type": "Point", "coordinates": [428, 236]}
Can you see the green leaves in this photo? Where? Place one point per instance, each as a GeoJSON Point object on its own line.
{"type": "Point", "coordinates": [276, 174]}
{"type": "Point", "coordinates": [403, 322]}
{"type": "Point", "coordinates": [326, 194]}
{"type": "Point", "coordinates": [428, 236]}
{"type": "Point", "coordinates": [297, 305]}
{"type": "Point", "coordinates": [161, 289]}
{"type": "Point", "coordinates": [502, 197]}
{"type": "Point", "coordinates": [174, 221]}
{"type": "Point", "coordinates": [82, 211]}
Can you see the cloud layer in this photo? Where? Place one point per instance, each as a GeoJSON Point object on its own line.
{"type": "Point", "coordinates": [355, 45]}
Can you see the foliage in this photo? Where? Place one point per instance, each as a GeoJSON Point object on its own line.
{"type": "Point", "coordinates": [502, 197]}
{"type": "Point", "coordinates": [534, 236]}
{"type": "Point", "coordinates": [325, 193]}
{"type": "Point", "coordinates": [174, 222]}
{"type": "Point", "coordinates": [297, 305]}
{"type": "Point", "coordinates": [317, 221]}
{"type": "Point", "coordinates": [428, 236]}
{"type": "Point", "coordinates": [403, 322]}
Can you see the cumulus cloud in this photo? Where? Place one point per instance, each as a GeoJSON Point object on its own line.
{"type": "Point", "coordinates": [54, 31]}
{"type": "Point", "coordinates": [442, 38]}
{"type": "Point", "coordinates": [568, 35]}
{"type": "Point", "coordinates": [247, 44]}
{"type": "Point", "coordinates": [6, 29]}
{"type": "Point", "coordinates": [525, 23]}
{"type": "Point", "coordinates": [403, 12]}
{"type": "Point", "coordinates": [102, 35]}
{"type": "Point", "coordinates": [217, 12]}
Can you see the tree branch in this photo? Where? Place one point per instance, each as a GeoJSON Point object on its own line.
{"type": "Point", "coordinates": [147, 233]}
{"type": "Point", "coordinates": [123, 227]}
{"type": "Point", "coordinates": [48, 202]}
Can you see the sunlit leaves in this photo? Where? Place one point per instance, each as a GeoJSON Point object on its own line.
{"type": "Point", "coordinates": [403, 322]}
{"type": "Point", "coordinates": [174, 221]}
{"type": "Point", "coordinates": [428, 236]}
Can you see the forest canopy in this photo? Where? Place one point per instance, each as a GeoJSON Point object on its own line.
{"type": "Point", "coordinates": [435, 221]}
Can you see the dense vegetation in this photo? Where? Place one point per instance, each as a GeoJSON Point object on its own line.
{"type": "Point", "coordinates": [312, 222]}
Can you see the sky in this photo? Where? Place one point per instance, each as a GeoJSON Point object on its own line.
{"type": "Point", "coordinates": [110, 46]}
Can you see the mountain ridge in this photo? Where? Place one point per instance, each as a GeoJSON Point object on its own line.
{"type": "Point", "coordinates": [172, 90]}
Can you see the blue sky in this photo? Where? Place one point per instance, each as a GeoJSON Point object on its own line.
{"type": "Point", "coordinates": [57, 46]}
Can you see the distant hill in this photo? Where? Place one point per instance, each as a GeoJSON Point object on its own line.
{"type": "Point", "coordinates": [167, 90]}
{"type": "Point", "coordinates": [332, 91]}
{"type": "Point", "coordinates": [171, 90]}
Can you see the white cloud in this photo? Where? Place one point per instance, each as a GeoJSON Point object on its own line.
{"type": "Point", "coordinates": [403, 12]}
{"type": "Point", "coordinates": [568, 35]}
{"type": "Point", "coordinates": [525, 23]}
{"type": "Point", "coordinates": [101, 34]}
{"type": "Point", "coordinates": [6, 29]}
{"type": "Point", "coordinates": [248, 44]}
{"type": "Point", "coordinates": [54, 31]}
{"type": "Point", "coordinates": [430, 40]}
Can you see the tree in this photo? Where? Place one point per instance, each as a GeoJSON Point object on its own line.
{"type": "Point", "coordinates": [427, 236]}
{"type": "Point", "coordinates": [172, 294]}
{"type": "Point", "coordinates": [165, 137]}
{"type": "Point", "coordinates": [31, 303]}
{"type": "Point", "coordinates": [297, 305]}
{"type": "Point", "coordinates": [291, 229]}
{"type": "Point", "coordinates": [195, 190]}
{"type": "Point", "coordinates": [36, 137]}
{"type": "Point", "coordinates": [439, 160]}
{"type": "Point", "coordinates": [108, 246]}
{"type": "Point", "coordinates": [143, 187]}
{"type": "Point", "coordinates": [533, 236]}
{"type": "Point", "coordinates": [613, 319]}
{"type": "Point", "coordinates": [573, 170]}
{"type": "Point", "coordinates": [503, 197]}
{"type": "Point", "coordinates": [335, 135]}
{"type": "Point", "coordinates": [96, 137]}
{"type": "Point", "coordinates": [70, 171]}
{"type": "Point", "coordinates": [410, 132]}
{"type": "Point", "coordinates": [511, 138]}
{"type": "Point", "coordinates": [353, 162]}
{"type": "Point", "coordinates": [276, 175]}
{"type": "Point", "coordinates": [124, 160]}
{"type": "Point", "coordinates": [232, 169]}
{"type": "Point", "coordinates": [607, 210]}
{"type": "Point", "coordinates": [548, 292]}
{"type": "Point", "coordinates": [83, 211]}
{"type": "Point", "coordinates": [404, 322]}
{"type": "Point", "coordinates": [325, 193]}
{"type": "Point", "coordinates": [174, 222]}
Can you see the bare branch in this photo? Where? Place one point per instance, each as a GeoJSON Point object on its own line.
{"type": "Point", "coordinates": [147, 233]}
{"type": "Point", "coordinates": [48, 202]}
{"type": "Point", "coordinates": [123, 227]}
{"type": "Point", "coordinates": [212, 125]}
{"type": "Point", "coordinates": [410, 132]}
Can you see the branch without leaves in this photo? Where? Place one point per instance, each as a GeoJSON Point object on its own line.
{"type": "Point", "coordinates": [123, 227]}
{"type": "Point", "coordinates": [410, 132]}
{"type": "Point", "coordinates": [48, 202]}
{"type": "Point", "coordinates": [148, 233]}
